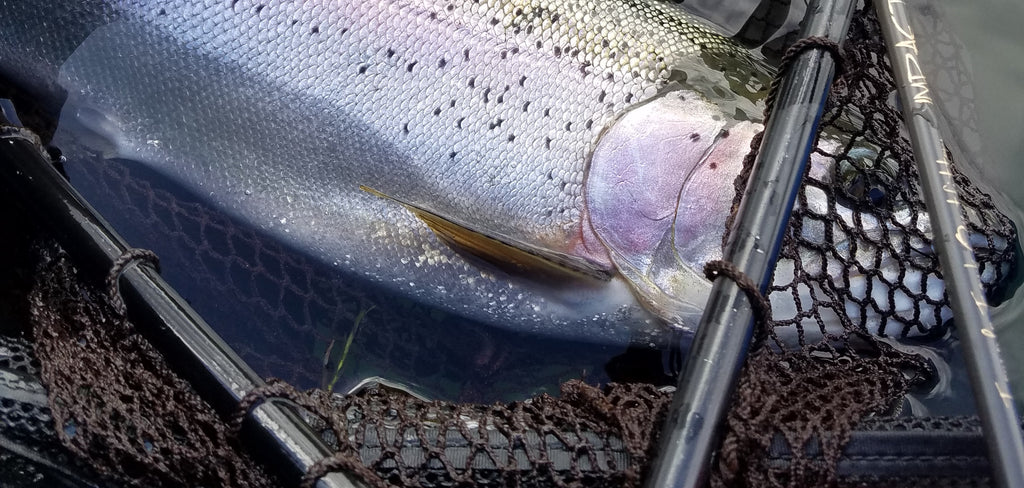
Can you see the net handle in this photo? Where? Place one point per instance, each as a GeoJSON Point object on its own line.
{"type": "Point", "coordinates": [720, 345]}
{"type": "Point", "coordinates": [989, 382]}
{"type": "Point", "coordinates": [191, 347]}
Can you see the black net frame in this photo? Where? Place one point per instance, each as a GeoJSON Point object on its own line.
{"type": "Point", "coordinates": [797, 406]}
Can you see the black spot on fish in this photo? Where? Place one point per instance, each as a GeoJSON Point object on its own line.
{"type": "Point", "coordinates": [458, 123]}
{"type": "Point", "coordinates": [575, 52]}
{"type": "Point", "coordinates": [295, 21]}
{"type": "Point", "coordinates": [494, 21]}
{"type": "Point", "coordinates": [629, 97]}
{"type": "Point", "coordinates": [501, 98]}
{"type": "Point", "coordinates": [610, 77]}
{"type": "Point", "coordinates": [390, 53]}
{"type": "Point", "coordinates": [522, 80]}
{"type": "Point", "coordinates": [558, 51]}
{"type": "Point", "coordinates": [694, 137]}
{"type": "Point", "coordinates": [547, 143]}
{"type": "Point", "coordinates": [547, 112]}
{"type": "Point", "coordinates": [540, 45]}
{"type": "Point", "coordinates": [589, 124]}
{"type": "Point", "coordinates": [713, 165]}
{"type": "Point", "coordinates": [472, 82]}
{"type": "Point", "coordinates": [433, 15]}
{"type": "Point", "coordinates": [503, 54]}
{"type": "Point", "coordinates": [437, 111]}
{"type": "Point", "coordinates": [465, 54]}
{"type": "Point", "coordinates": [441, 63]}
{"type": "Point", "coordinates": [600, 98]}
{"type": "Point", "coordinates": [315, 29]}
{"type": "Point", "coordinates": [555, 18]}
{"type": "Point", "coordinates": [515, 50]}
{"type": "Point", "coordinates": [551, 174]}
{"type": "Point", "coordinates": [723, 134]}
{"type": "Point", "coordinates": [495, 124]}
{"type": "Point", "coordinates": [451, 103]}
{"type": "Point", "coordinates": [526, 105]}
{"type": "Point", "coordinates": [409, 66]}
{"type": "Point", "coordinates": [605, 43]}
{"type": "Point", "coordinates": [164, 12]}
{"type": "Point", "coordinates": [487, 95]}
{"type": "Point", "coordinates": [259, 8]}
{"type": "Point", "coordinates": [562, 186]}
{"type": "Point", "coordinates": [584, 66]}
{"type": "Point", "coordinates": [450, 7]}
{"type": "Point", "coordinates": [405, 128]}
{"type": "Point", "coordinates": [233, 3]}
{"type": "Point", "coordinates": [511, 137]}
{"type": "Point", "coordinates": [362, 69]}
{"type": "Point", "coordinates": [529, 29]}
{"type": "Point", "coordinates": [568, 126]}
{"type": "Point", "coordinates": [452, 155]}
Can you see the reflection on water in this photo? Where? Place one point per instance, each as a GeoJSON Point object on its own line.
{"type": "Point", "coordinates": [289, 316]}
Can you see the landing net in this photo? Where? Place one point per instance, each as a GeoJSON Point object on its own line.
{"type": "Point", "coordinates": [806, 390]}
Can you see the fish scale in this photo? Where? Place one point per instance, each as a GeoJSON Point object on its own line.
{"type": "Point", "coordinates": [460, 104]}
{"type": "Point", "coordinates": [594, 134]}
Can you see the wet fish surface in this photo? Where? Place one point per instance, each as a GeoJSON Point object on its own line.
{"type": "Point", "coordinates": [587, 145]}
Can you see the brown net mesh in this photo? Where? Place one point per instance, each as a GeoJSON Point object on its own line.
{"type": "Point", "coordinates": [808, 398]}
{"type": "Point", "coordinates": [115, 403]}
{"type": "Point", "coordinates": [816, 393]}
{"type": "Point", "coordinates": [588, 437]}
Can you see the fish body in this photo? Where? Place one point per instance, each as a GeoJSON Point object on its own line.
{"type": "Point", "coordinates": [533, 124]}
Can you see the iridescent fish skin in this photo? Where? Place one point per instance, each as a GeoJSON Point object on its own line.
{"type": "Point", "coordinates": [491, 115]}
{"type": "Point", "coordinates": [483, 112]}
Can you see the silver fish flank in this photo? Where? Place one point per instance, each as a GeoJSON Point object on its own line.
{"type": "Point", "coordinates": [591, 134]}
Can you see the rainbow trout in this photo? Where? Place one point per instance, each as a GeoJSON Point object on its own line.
{"type": "Point", "coordinates": [559, 166]}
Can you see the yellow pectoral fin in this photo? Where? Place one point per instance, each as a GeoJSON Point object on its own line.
{"type": "Point", "coordinates": [499, 250]}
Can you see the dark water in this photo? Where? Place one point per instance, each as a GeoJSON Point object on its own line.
{"type": "Point", "coordinates": [290, 316]}
{"type": "Point", "coordinates": [283, 312]}
{"type": "Point", "coordinates": [993, 38]}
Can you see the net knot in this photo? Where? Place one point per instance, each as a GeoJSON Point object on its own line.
{"type": "Point", "coordinates": [273, 388]}
{"type": "Point", "coordinates": [797, 48]}
{"type": "Point", "coordinates": [345, 459]}
{"type": "Point", "coordinates": [127, 258]}
{"type": "Point", "coordinates": [758, 303]}
{"type": "Point", "coordinates": [813, 42]}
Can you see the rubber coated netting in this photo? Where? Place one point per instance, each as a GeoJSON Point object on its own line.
{"type": "Point", "coordinates": [817, 374]}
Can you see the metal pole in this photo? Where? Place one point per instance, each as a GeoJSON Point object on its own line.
{"type": "Point", "coordinates": [723, 336]}
{"type": "Point", "coordinates": [193, 349]}
{"type": "Point", "coordinates": [993, 400]}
